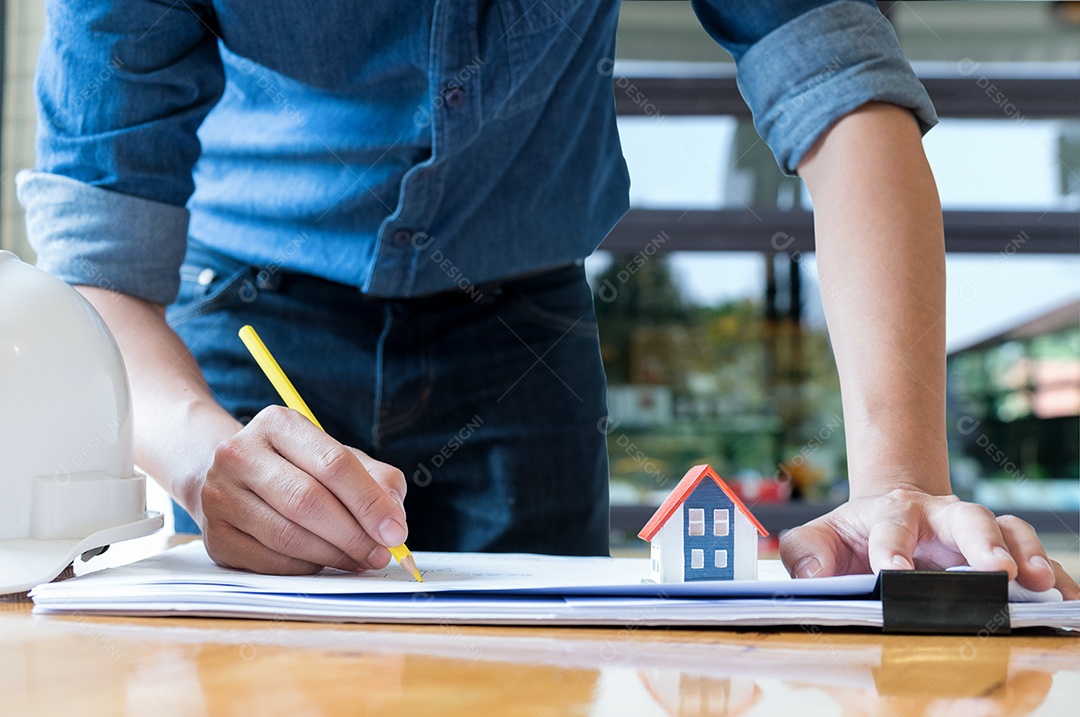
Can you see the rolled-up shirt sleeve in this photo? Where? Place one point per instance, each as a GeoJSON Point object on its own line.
{"type": "Point", "coordinates": [121, 88]}
{"type": "Point", "coordinates": [803, 65]}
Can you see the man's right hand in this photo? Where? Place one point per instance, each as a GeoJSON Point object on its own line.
{"type": "Point", "coordinates": [277, 496]}
{"type": "Point", "coordinates": [283, 497]}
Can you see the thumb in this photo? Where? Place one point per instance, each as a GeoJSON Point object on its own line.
{"type": "Point", "coordinates": [810, 550]}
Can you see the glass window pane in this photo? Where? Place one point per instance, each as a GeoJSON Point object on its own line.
{"type": "Point", "coordinates": [714, 162]}
{"type": "Point", "coordinates": [721, 522]}
{"type": "Point", "coordinates": [1022, 32]}
{"type": "Point", "coordinates": [720, 559]}
{"type": "Point", "coordinates": [928, 31]}
{"type": "Point", "coordinates": [701, 369]}
{"type": "Point", "coordinates": [977, 163]}
{"type": "Point", "coordinates": [729, 374]}
{"type": "Point", "coordinates": [696, 521]}
{"type": "Point", "coordinates": [697, 559]}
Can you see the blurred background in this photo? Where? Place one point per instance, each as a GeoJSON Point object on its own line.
{"type": "Point", "coordinates": [709, 305]}
{"type": "Point", "coordinates": [707, 295]}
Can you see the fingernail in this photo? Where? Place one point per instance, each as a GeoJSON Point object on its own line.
{"type": "Point", "coordinates": [808, 567]}
{"type": "Point", "coordinates": [1002, 554]}
{"type": "Point", "coordinates": [901, 563]}
{"type": "Point", "coordinates": [1040, 563]}
{"type": "Point", "coordinates": [392, 532]}
{"type": "Point", "coordinates": [379, 557]}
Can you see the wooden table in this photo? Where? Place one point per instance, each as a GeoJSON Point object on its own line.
{"type": "Point", "coordinates": [79, 665]}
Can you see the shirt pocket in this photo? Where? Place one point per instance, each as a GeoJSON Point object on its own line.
{"type": "Point", "coordinates": [540, 39]}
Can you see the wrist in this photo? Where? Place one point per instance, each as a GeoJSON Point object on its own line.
{"type": "Point", "coordinates": [184, 448]}
{"type": "Point", "coordinates": [918, 474]}
{"type": "Point", "coordinates": [880, 485]}
{"type": "Point", "coordinates": [889, 458]}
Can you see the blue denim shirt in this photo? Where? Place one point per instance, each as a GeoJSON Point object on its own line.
{"type": "Point", "coordinates": [401, 147]}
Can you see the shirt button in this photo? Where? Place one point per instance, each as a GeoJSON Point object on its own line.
{"type": "Point", "coordinates": [454, 96]}
{"type": "Point", "coordinates": [402, 237]}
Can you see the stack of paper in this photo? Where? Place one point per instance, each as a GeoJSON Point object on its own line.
{"type": "Point", "coordinates": [486, 588]}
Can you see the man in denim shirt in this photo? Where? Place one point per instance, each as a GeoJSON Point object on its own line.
{"type": "Point", "coordinates": [399, 197]}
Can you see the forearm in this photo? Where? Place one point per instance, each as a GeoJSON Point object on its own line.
{"type": "Point", "coordinates": [178, 425]}
{"type": "Point", "coordinates": [880, 253]}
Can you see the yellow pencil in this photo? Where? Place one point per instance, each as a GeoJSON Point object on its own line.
{"type": "Point", "coordinates": [293, 400]}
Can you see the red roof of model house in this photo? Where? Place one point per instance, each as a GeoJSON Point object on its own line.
{"type": "Point", "coordinates": [685, 488]}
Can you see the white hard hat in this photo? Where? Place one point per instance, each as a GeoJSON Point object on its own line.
{"type": "Point", "coordinates": [68, 484]}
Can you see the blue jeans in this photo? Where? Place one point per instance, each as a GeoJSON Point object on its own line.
{"type": "Point", "coordinates": [491, 398]}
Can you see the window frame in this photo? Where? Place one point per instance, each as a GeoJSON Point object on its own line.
{"type": "Point", "coordinates": [717, 514]}
{"type": "Point", "coordinates": [691, 523]}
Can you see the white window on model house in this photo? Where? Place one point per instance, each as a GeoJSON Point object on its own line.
{"type": "Point", "coordinates": [656, 557]}
{"type": "Point", "coordinates": [720, 559]}
{"type": "Point", "coordinates": [721, 522]}
{"type": "Point", "coordinates": [697, 558]}
{"type": "Point", "coordinates": [695, 524]}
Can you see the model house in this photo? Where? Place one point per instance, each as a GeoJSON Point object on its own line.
{"type": "Point", "coordinates": [703, 532]}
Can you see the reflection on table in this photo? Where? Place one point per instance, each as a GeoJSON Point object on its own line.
{"type": "Point", "coordinates": [114, 666]}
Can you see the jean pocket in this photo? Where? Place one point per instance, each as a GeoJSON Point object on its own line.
{"type": "Point", "coordinates": [560, 301]}
{"type": "Point", "coordinates": [539, 41]}
{"type": "Point", "coordinates": [208, 285]}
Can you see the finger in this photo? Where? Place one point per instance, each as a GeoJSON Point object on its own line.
{"type": "Point", "coordinates": [811, 550]}
{"type": "Point", "coordinates": [974, 532]}
{"type": "Point", "coordinates": [1064, 583]}
{"type": "Point", "coordinates": [230, 547]}
{"type": "Point", "coordinates": [258, 470]}
{"type": "Point", "coordinates": [300, 499]}
{"type": "Point", "coordinates": [893, 539]}
{"type": "Point", "coordinates": [386, 475]}
{"type": "Point", "coordinates": [1033, 564]}
{"type": "Point", "coordinates": [300, 442]}
{"type": "Point", "coordinates": [284, 536]}
{"type": "Point", "coordinates": [246, 512]}
{"type": "Point", "coordinates": [894, 532]}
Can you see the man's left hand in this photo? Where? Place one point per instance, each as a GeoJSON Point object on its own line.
{"type": "Point", "coordinates": [907, 528]}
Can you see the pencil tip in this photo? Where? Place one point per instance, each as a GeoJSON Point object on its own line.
{"type": "Point", "coordinates": [409, 564]}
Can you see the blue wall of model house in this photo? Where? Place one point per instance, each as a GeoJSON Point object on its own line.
{"type": "Point", "coordinates": [708, 497]}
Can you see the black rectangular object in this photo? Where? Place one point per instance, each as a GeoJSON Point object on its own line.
{"type": "Point", "coordinates": [942, 602]}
